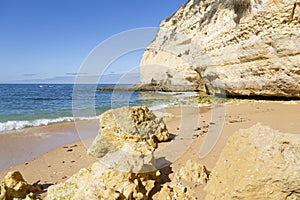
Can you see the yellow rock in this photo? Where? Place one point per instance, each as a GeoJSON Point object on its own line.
{"type": "Point", "coordinates": [257, 163]}
{"type": "Point", "coordinates": [13, 186]}
{"type": "Point", "coordinates": [126, 168]}
{"type": "Point", "coordinates": [101, 182]}
{"type": "Point", "coordinates": [192, 172]}
{"type": "Point", "coordinates": [237, 47]}
{"type": "Point", "coordinates": [128, 137]}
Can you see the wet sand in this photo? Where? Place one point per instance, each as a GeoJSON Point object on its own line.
{"type": "Point", "coordinates": [22, 145]}
{"type": "Point", "coordinates": [190, 125]}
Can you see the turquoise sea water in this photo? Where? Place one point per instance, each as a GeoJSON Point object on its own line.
{"type": "Point", "coordinates": [29, 105]}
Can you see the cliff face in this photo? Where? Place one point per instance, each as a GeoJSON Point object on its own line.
{"type": "Point", "coordinates": [240, 47]}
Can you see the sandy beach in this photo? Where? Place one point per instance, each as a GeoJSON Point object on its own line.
{"type": "Point", "coordinates": [172, 100]}
{"type": "Point", "coordinates": [51, 154]}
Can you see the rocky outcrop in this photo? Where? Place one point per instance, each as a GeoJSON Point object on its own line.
{"type": "Point", "coordinates": [125, 124]}
{"type": "Point", "coordinates": [192, 173]}
{"type": "Point", "coordinates": [237, 47]}
{"type": "Point", "coordinates": [128, 137]}
{"type": "Point", "coordinates": [14, 186]}
{"type": "Point", "coordinates": [126, 168]}
{"type": "Point", "coordinates": [257, 163]}
{"type": "Point", "coordinates": [100, 182]}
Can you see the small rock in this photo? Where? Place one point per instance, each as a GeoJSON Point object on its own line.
{"type": "Point", "coordinates": [197, 129]}
{"type": "Point", "coordinates": [13, 186]}
{"type": "Point", "coordinates": [194, 172]}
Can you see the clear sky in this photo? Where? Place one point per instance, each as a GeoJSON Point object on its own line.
{"type": "Point", "coordinates": [42, 39]}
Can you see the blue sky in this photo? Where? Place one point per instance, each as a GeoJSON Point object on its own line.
{"type": "Point", "coordinates": [41, 39]}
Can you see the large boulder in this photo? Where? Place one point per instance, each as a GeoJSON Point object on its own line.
{"type": "Point", "coordinates": [13, 186]}
{"type": "Point", "coordinates": [126, 168]}
{"type": "Point", "coordinates": [236, 47]}
{"type": "Point", "coordinates": [128, 137]}
{"type": "Point", "coordinates": [257, 163]}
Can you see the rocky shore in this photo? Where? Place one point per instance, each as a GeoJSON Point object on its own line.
{"type": "Point", "coordinates": [258, 162]}
{"type": "Point", "coordinates": [153, 87]}
{"type": "Point", "coordinates": [238, 48]}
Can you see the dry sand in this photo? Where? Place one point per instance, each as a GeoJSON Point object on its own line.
{"type": "Point", "coordinates": [189, 125]}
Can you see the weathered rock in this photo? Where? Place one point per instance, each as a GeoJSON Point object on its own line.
{"type": "Point", "coordinates": [127, 138]}
{"type": "Point", "coordinates": [175, 190]}
{"type": "Point", "coordinates": [129, 124]}
{"type": "Point", "coordinates": [13, 186]}
{"type": "Point", "coordinates": [104, 183]}
{"type": "Point", "coordinates": [178, 188]}
{"type": "Point", "coordinates": [126, 168]}
{"type": "Point", "coordinates": [237, 47]}
{"type": "Point", "coordinates": [194, 172]}
{"type": "Point", "coordinates": [257, 163]}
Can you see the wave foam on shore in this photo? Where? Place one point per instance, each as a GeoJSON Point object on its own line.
{"type": "Point", "coordinates": [16, 125]}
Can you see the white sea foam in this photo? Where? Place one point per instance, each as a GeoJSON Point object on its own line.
{"type": "Point", "coordinates": [160, 106]}
{"type": "Point", "coordinates": [16, 125]}
{"type": "Point", "coordinates": [179, 98]}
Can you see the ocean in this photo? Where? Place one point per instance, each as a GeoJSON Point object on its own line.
{"type": "Point", "coordinates": [29, 105]}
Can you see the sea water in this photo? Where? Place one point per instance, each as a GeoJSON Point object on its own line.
{"type": "Point", "coordinates": [28, 105]}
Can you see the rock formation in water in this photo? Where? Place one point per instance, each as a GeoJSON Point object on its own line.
{"type": "Point", "coordinates": [257, 163]}
{"type": "Point", "coordinates": [13, 186]}
{"type": "Point", "coordinates": [236, 47]}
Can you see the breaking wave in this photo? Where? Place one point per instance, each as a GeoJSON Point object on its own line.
{"type": "Point", "coordinates": [16, 125]}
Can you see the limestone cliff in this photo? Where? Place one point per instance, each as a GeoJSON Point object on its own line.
{"type": "Point", "coordinates": [240, 47]}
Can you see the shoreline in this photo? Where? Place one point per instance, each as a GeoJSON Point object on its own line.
{"type": "Point", "coordinates": [282, 116]}
{"type": "Point", "coordinates": [35, 141]}
{"type": "Point", "coordinates": [152, 87]}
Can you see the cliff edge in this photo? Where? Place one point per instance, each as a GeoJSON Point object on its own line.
{"type": "Point", "coordinates": [233, 47]}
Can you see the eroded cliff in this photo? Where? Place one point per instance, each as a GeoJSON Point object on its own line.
{"type": "Point", "coordinates": [237, 47]}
